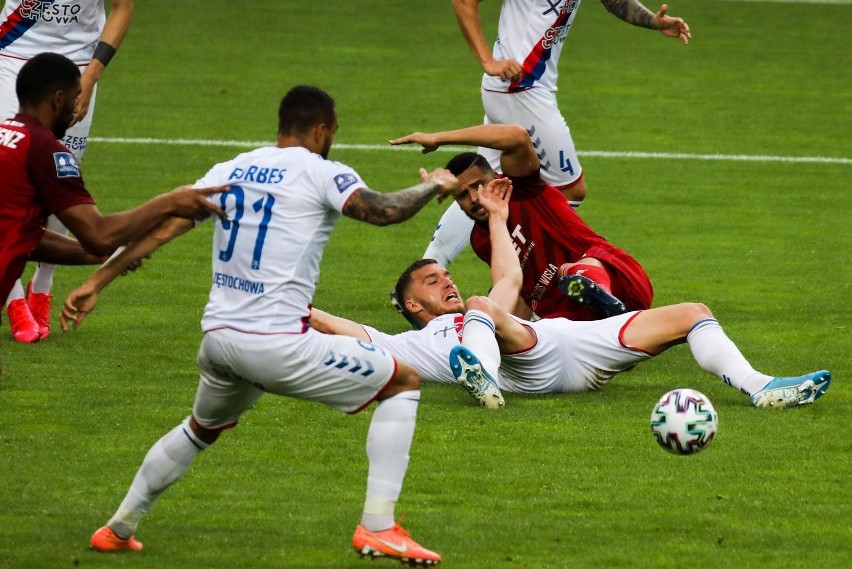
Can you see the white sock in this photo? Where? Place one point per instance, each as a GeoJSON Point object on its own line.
{"type": "Point", "coordinates": [717, 354]}
{"type": "Point", "coordinates": [388, 444]}
{"type": "Point", "coordinates": [166, 462]}
{"type": "Point", "coordinates": [451, 236]}
{"type": "Point", "coordinates": [478, 336]}
{"type": "Point", "coordinates": [43, 277]}
{"type": "Point", "coordinates": [16, 293]}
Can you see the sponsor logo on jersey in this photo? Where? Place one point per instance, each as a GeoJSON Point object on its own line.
{"type": "Point", "coordinates": [50, 11]}
{"type": "Point", "coordinates": [66, 165]}
{"type": "Point", "coordinates": [237, 283]}
{"type": "Point", "coordinates": [344, 181]}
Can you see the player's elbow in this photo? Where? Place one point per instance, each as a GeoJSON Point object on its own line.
{"type": "Point", "coordinates": [516, 135]}
{"type": "Point", "coordinates": [96, 244]}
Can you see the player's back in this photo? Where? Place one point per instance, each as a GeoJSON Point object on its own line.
{"type": "Point", "coordinates": [282, 205]}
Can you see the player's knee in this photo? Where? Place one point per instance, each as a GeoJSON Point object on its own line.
{"type": "Point", "coordinates": [480, 303]}
{"type": "Point", "coordinates": [205, 435]}
{"type": "Point", "coordinates": [692, 313]}
{"type": "Point", "coordinates": [405, 379]}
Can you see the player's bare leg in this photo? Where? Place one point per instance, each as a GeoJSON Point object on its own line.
{"type": "Point", "coordinates": [657, 329]}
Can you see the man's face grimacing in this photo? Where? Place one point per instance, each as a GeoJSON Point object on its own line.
{"type": "Point", "coordinates": [468, 196]}
{"type": "Point", "coordinates": [432, 293]}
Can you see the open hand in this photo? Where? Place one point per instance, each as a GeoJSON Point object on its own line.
{"type": "Point", "coordinates": [671, 27]}
{"type": "Point", "coordinates": [428, 141]}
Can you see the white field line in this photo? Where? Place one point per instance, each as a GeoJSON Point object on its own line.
{"type": "Point", "coordinates": [415, 148]}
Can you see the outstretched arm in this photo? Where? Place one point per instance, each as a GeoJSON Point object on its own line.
{"type": "Point", "coordinates": [467, 14]}
{"type": "Point", "coordinates": [115, 28]}
{"type": "Point", "coordinates": [506, 274]}
{"type": "Point", "coordinates": [633, 12]}
{"type": "Point", "coordinates": [84, 298]}
{"type": "Point", "coordinates": [326, 323]}
{"type": "Point", "coordinates": [57, 249]}
{"type": "Point", "coordinates": [101, 235]}
{"type": "Point", "coordinates": [517, 154]}
{"type": "Point", "coordinates": [395, 207]}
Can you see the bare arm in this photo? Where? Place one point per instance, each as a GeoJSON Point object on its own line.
{"type": "Point", "coordinates": [82, 300]}
{"type": "Point", "coordinates": [57, 249]}
{"type": "Point", "coordinates": [115, 28]}
{"type": "Point", "coordinates": [467, 14]}
{"type": "Point", "coordinates": [395, 207]}
{"type": "Point", "coordinates": [633, 12]}
{"type": "Point", "coordinates": [517, 154]}
{"type": "Point", "coordinates": [103, 234]}
{"type": "Point", "coordinates": [506, 274]}
{"type": "Point", "coordinates": [326, 323]}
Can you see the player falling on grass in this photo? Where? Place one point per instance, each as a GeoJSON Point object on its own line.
{"type": "Point", "coordinates": [282, 206]}
{"type": "Point", "coordinates": [519, 87]}
{"type": "Point", "coordinates": [568, 269]}
{"type": "Point", "coordinates": [84, 33]}
{"type": "Point", "coordinates": [40, 177]}
{"type": "Point", "coordinates": [486, 349]}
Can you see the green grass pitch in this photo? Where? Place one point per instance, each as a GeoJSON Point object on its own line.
{"type": "Point", "coordinates": [550, 482]}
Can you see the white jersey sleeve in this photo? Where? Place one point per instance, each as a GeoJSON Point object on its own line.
{"type": "Point", "coordinates": [72, 28]}
{"type": "Point", "coordinates": [282, 205]}
{"type": "Point", "coordinates": [426, 350]}
{"type": "Point", "coordinates": [532, 32]}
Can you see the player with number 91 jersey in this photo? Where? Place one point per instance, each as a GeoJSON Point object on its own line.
{"type": "Point", "coordinates": [282, 206]}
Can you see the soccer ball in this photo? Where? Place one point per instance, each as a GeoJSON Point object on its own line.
{"type": "Point", "coordinates": [684, 421]}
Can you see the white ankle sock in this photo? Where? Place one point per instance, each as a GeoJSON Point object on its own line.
{"type": "Point", "coordinates": [16, 293]}
{"type": "Point", "coordinates": [717, 354]}
{"type": "Point", "coordinates": [43, 278]}
{"type": "Point", "coordinates": [388, 444]}
{"type": "Point", "coordinates": [166, 462]}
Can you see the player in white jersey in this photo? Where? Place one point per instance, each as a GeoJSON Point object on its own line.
{"type": "Point", "coordinates": [282, 205]}
{"type": "Point", "coordinates": [519, 87]}
{"type": "Point", "coordinates": [482, 346]}
{"type": "Point", "coordinates": [81, 31]}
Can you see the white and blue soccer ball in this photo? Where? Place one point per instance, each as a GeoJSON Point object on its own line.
{"type": "Point", "coordinates": [684, 421]}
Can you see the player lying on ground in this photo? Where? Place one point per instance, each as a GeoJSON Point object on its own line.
{"type": "Point", "coordinates": [283, 204]}
{"type": "Point", "coordinates": [568, 269]}
{"type": "Point", "coordinates": [550, 355]}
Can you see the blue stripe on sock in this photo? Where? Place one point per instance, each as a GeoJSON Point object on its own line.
{"type": "Point", "coordinates": [476, 318]}
{"type": "Point", "coordinates": [703, 323]}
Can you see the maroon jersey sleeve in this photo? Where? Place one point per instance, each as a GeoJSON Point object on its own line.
{"type": "Point", "coordinates": [55, 174]}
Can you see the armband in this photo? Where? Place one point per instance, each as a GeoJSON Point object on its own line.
{"type": "Point", "coordinates": [104, 52]}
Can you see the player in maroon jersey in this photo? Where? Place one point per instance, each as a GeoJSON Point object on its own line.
{"type": "Point", "coordinates": [41, 177]}
{"type": "Point", "coordinates": [568, 270]}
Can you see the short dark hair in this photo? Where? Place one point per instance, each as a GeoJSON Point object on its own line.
{"type": "Point", "coordinates": [404, 280]}
{"type": "Point", "coordinates": [43, 75]}
{"type": "Point", "coordinates": [304, 107]}
{"type": "Point", "coordinates": [461, 162]}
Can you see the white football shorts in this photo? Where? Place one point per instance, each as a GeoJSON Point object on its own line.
{"type": "Point", "coordinates": [236, 368]}
{"type": "Point", "coordinates": [570, 356]}
{"type": "Point", "coordinates": [535, 110]}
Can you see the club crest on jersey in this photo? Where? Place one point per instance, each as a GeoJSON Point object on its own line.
{"type": "Point", "coordinates": [344, 181]}
{"type": "Point", "coordinates": [66, 165]}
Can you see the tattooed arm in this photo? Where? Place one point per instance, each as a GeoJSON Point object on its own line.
{"type": "Point", "coordinates": [633, 12]}
{"type": "Point", "coordinates": [384, 209]}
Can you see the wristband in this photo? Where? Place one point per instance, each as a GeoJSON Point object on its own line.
{"type": "Point", "coordinates": [104, 53]}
